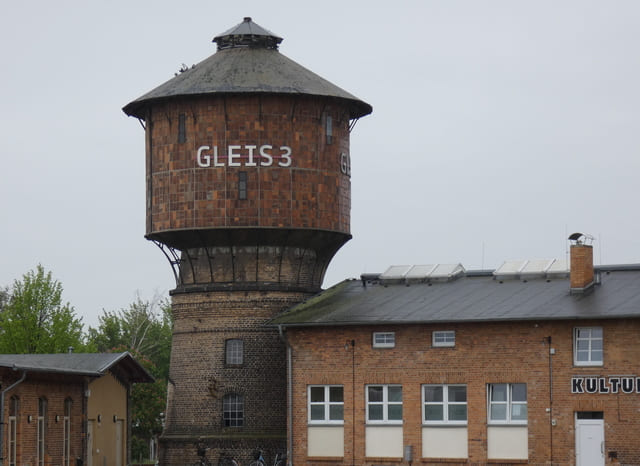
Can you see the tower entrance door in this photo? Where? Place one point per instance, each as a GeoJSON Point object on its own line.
{"type": "Point", "coordinates": [589, 438]}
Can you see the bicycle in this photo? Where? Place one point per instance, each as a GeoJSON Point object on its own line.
{"type": "Point", "coordinates": [279, 460]}
{"type": "Point", "coordinates": [202, 454]}
{"type": "Point", "coordinates": [227, 461]}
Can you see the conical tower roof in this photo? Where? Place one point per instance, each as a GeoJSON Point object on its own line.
{"type": "Point", "coordinates": [247, 61]}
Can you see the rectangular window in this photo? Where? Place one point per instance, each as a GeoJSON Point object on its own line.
{"type": "Point", "coordinates": [508, 403]}
{"type": "Point", "coordinates": [12, 431]}
{"type": "Point", "coordinates": [326, 404]}
{"type": "Point", "coordinates": [329, 129]}
{"type": "Point", "coordinates": [242, 185]}
{"type": "Point", "coordinates": [41, 433]}
{"type": "Point", "coordinates": [182, 132]}
{"type": "Point", "coordinates": [384, 404]}
{"type": "Point", "coordinates": [384, 339]}
{"type": "Point", "coordinates": [66, 446]}
{"type": "Point", "coordinates": [234, 352]}
{"type": "Point", "coordinates": [587, 346]}
{"type": "Point", "coordinates": [233, 410]}
{"type": "Point", "coordinates": [444, 404]}
{"type": "Point", "coordinates": [443, 338]}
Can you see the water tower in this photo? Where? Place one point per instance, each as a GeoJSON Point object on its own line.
{"type": "Point", "coordinates": [248, 196]}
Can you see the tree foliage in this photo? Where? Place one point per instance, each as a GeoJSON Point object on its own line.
{"type": "Point", "coordinates": [144, 329]}
{"type": "Point", "coordinates": [33, 318]}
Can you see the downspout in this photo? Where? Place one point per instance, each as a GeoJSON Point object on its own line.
{"type": "Point", "coordinates": [283, 337]}
{"type": "Point", "coordinates": [10, 387]}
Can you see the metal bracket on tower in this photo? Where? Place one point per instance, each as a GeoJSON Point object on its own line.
{"type": "Point", "coordinates": [173, 256]}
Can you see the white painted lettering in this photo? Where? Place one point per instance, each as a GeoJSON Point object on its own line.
{"type": "Point", "coordinates": [286, 155]}
{"type": "Point", "coordinates": [266, 155]}
{"type": "Point", "coordinates": [233, 155]}
{"type": "Point", "coordinates": [250, 162]}
{"type": "Point", "coordinates": [205, 157]}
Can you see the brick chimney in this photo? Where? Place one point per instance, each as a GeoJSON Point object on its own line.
{"type": "Point", "coordinates": [581, 263]}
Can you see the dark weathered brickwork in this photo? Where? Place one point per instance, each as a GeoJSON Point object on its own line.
{"type": "Point", "coordinates": [312, 192]}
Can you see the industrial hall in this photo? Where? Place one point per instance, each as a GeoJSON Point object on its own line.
{"type": "Point", "coordinates": [248, 185]}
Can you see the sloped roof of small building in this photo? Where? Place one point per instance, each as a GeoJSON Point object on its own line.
{"type": "Point", "coordinates": [247, 61]}
{"type": "Point", "coordinates": [471, 297]}
{"type": "Point", "coordinates": [123, 365]}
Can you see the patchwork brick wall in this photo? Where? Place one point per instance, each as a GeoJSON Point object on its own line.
{"type": "Point", "coordinates": [312, 192]}
{"type": "Point", "coordinates": [484, 353]}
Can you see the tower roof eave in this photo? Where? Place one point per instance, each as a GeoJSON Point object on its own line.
{"type": "Point", "coordinates": [247, 70]}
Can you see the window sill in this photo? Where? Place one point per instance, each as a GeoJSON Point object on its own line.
{"type": "Point", "coordinates": [509, 461]}
{"type": "Point", "coordinates": [383, 459]}
{"type": "Point", "coordinates": [327, 459]}
{"type": "Point", "coordinates": [444, 460]}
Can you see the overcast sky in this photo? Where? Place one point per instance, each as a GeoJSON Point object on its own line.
{"type": "Point", "coordinates": [498, 128]}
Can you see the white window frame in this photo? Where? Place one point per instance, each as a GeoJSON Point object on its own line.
{"type": "Point", "coordinates": [66, 432]}
{"type": "Point", "coordinates": [445, 403]}
{"type": "Point", "coordinates": [591, 341]}
{"type": "Point", "coordinates": [384, 339]}
{"type": "Point", "coordinates": [385, 403]}
{"type": "Point", "coordinates": [443, 338]}
{"type": "Point", "coordinates": [234, 352]}
{"type": "Point", "coordinates": [233, 410]}
{"type": "Point", "coordinates": [41, 431]}
{"type": "Point", "coordinates": [326, 404]}
{"type": "Point", "coordinates": [12, 434]}
{"type": "Point", "coordinates": [509, 404]}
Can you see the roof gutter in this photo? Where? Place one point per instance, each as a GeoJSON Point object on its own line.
{"type": "Point", "coordinates": [283, 337]}
{"type": "Point", "coordinates": [10, 387]}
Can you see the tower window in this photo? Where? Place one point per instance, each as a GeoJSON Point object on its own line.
{"type": "Point", "coordinates": [329, 129]}
{"type": "Point", "coordinates": [233, 410]}
{"type": "Point", "coordinates": [242, 185]}
{"type": "Point", "coordinates": [182, 132]}
{"type": "Point", "coordinates": [234, 352]}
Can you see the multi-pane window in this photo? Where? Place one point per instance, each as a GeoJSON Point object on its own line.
{"type": "Point", "coordinates": [234, 352]}
{"type": "Point", "coordinates": [326, 404]}
{"type": "Point", "coordinates": [233, 410]}
{"type": "Point", "coordinates": [12, 433]}
{"type": "Point", "coordinates": [41, 434]}
{"type": "Point", "coordinates": [66, 424]}
{"type": "Point", "coordinates": [445, 404]}
{"type": "Point", "coordinates": [384, 339]}
{"type": "Point", "coordinates": [443, 338]}
{"type": "Point", "coordinates": [242, 185]}
{"type": "Point", "coordinates": [384, 404]}
{"type": "Point", "coordinates": [587, 346]}
{"type": "Point", "coordinates": [508, 403]}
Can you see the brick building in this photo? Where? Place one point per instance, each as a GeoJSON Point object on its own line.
{"type": "Point", "coordinates": [57, 409]}
{"type": "Point", "coordinates": [529, 363]}
{"type": "Point", "coordinates": [248, 195]}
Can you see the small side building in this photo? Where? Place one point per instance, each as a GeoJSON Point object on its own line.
{"type": "Point", "coordinates": [527, 364]}
{"type": "Point", "coordinates": [66, 409]}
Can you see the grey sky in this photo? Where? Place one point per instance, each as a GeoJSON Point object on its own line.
{"type": "Point", "coordinates": [499, 127]}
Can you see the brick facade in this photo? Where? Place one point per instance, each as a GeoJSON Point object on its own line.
{"type": "Point", "coordinates": [55, 389]}
{"type": "Point", "coordinates": [484, 353]}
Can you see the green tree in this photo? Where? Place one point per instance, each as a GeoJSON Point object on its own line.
{"type": "Point", "coordinates": [144, 329]}
{"type": "Point", "coordinates": [35, 320]}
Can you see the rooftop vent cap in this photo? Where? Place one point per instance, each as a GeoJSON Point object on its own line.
{"type": "Point", "coordinates": [581, 238]}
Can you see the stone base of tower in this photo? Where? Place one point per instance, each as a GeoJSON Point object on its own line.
{"type": "Point", "coordinates": [234, 403]}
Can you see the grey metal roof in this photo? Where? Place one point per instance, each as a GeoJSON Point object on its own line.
{"type": "Point", "coordinates": [470, 298]}
{"type": "Point", "coordinates": [83, 364]}
{"type": "Point", "coordinates": [247, 69]}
